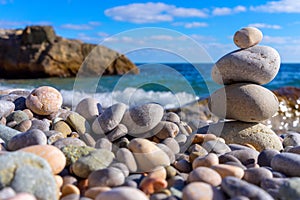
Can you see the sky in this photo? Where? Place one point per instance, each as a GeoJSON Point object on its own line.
{"type": "Point", "coordinates": [164, 30]}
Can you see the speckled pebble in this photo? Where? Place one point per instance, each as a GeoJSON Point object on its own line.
{"type": "Point", "coordinates": [44, 100]}
{"type": "Point", "coordinates": [68, 141]}
{"type": "Point", "coordinates": [42, 125]}
{"type": "Point", "coordinates": [79, 123]}
{"type": "Point", "coordinates": [141, 119]}
{"type": "Point", "coordinates": [62, 127]}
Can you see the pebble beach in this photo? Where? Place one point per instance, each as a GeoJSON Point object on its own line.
{"type": "Point", "coordinates": [144, 152]}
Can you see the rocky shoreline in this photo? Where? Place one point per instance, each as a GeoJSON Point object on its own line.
{"type": "Point", "coordinates": [145, 152]}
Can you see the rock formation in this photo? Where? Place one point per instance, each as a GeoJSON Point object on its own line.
{"type": "Point", "coordinates": [37, 51]}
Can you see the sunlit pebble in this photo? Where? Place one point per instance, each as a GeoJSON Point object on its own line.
{"type": "Point", "coordinates": [298, 101]}
{"type": "Point", "coordinates": [295, 123]}
{"type": "Point", "coordinates": [296, 106]}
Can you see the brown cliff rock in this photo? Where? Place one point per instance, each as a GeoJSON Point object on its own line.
{"type": "Point", "coordinates": [37, 51]}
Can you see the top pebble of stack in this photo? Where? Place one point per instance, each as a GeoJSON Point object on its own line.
{"type": "Point", "coordinates": [247, 37]}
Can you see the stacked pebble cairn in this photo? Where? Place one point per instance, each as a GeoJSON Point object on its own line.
{"type": "Point", "coordinates": [144, 152]}
{"type": "Point", "coordinates": [243, 99]}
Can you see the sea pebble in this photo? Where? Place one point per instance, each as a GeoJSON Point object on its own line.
{"type": "Point", "coordinates": [93, 192]}
{"type": "Point", "coordinates": [122, 193]}
{"type": "Point", "coordinates": [88, 139]}
{"type": "Point", "coordinates": [79, 123]}
{"type": "Point", "coordinates": [17, 116]}
{"type": "Point", "coordinates": [165, 129]}
{"type": "Point", "coordinates": [291, 139]}
{"type": "Point", "coordinates": [73, 153]}
{"type": "Point", "coordinates": [44, 100]}
{"type": "Point", "coordinates": [256, 134]}
{"type": "Point", "coordinates": [6, 107]}
{"type": "Point", "coordinates": [168, 151]}
{"type": "Point", "coordinates": [228, 170]}
{"type": "Point", "coordinates": [147, 155]}
{"type": "Point", "coordinates": [183, 166]}
{"type": "Point", "coordinates": [7, 133]}
{"type": "Point", "coordinates": [244, 102]}
{"type": "Point", "coordinates": [95, 160]}
{"type": "Point", "coordinates": [121, 166]}
{"type": "Point", "coordinates": [246, 157]}
{"type": "Point", "coordinates": [215, 146]}
{"type": "Point", "coordinates": [89, 108]}
{"type": "Point", "coordinates": [109, 177]}
{"type": "Point", "coordinates": [234, 187]}
{"type": "Point", "coordinates": [143, 118]}
{"type": "Point", "coordinates": [247, 37]}
{"type": "Point", "coordinates": [119, 131]}
{"type": "Point", "coordinates": [24, 125]}
{"type": "Point", "coordinates": [265, 157]}
{"type": "Point", "coordinates": [287, 163]}
{"type": "Point", "coordinates": [295, 150]}
{"type": "Point", "coordinates": [196, 191]}
{"type": "Point", "coordinates": [109, 119]}
{"type": "Point", "coordinates": [20, 103]}
{"type": "Point", "coordinates": [53, 136]}
{"type": "Point", "coordinates": [205, 174]}
{"type": "Point", "coordinates": [171, 117]}
{"type": "Point", "coordinates": [42, 125]}
{"type": "Point", "coordinates": [172, 144]}
{"type": "Point", "coordinates": [103, 143]}
{"type": "Point", "coordinates": [22, 170]}
{"type": "Point", "coordinates": [69, 189]}
{"type": "Point", "coordinates": [31, 137]}
{"type": "Point", "coordinates": [51, 154]}
{"type": "Point", "coordinates": [62, 127]}
{"type": "Point", "coordinates": [256, 175]}
{"type": "Point", "coordinates": [125, 156]}
{"type": "Point", "coordinates": [206, 161]}
{"type": "Point", "coordinates": [68, 141]}
{"type": "Point", "coordinates": [258, 64]}
{"type": "Point", "coordinates": [23, 196]}
{"type": "Point", "coordinates": [7, 192]}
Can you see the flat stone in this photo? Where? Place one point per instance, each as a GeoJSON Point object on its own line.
{"type": "Point", "coordinates": [6, 107]}
{"type": "Point", "coordinates": [206, 175]}
{"type": "Point", "coordinates": [95, 160]}
{"type": "Point", "coordinates": [165, 129]}
{"type": "Point", "coordinates": [125, 156]}
{"type": "Point", "coordinates": [44, 100]}
{"type": "Point", "coordinates": [247, 37]}
{"type": "Point", "coordinates": [109, 177]}
{"type": "Point", "coordinates": [104, 143]}
{"type": "Point", "coordinates": [7, 133]}
{"type": "Point", "coordinates": [258, 64]}
{"type": "Point", "coordinates": [89, 108]}
{"type": "Point", "coordinates": [265, 157]}
{"type": "Point", "coordinates": [109, 119]}
{"type": "Point", "coordinates": [79, 123]}
{"type": "Point", "coordinates": [55, 157]}
{"type": "Point", "coordinates": [236, 187]}
{"type": "Point", "coordinates": [287, 163]}
{"type": "Point", "coordinates": [141, 119]}
{"type": "Point", "coordinates": [171, 117]}
{"type": "Point", "coordinates": [147, 155]}
{"type": "Point", "coordinates": [256, 175]}
{"type": "Point", "coordinates": [255, 134]}
{"type": "Point", "coordinates": [31, 137]}
{"type": "Point", "coordinates": [122, 193]}
{"type": "Point", "coordinates": [244, 102]}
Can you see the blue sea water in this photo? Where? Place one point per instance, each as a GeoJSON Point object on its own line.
{"type": "Point", "coordinates": [170, 84]}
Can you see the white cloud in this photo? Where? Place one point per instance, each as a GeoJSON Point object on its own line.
{"type": "Point", "coordinates": [191, 24]}
{"type": "Point", "coordinates": [228, 11]}
{"type": "Point", "coordinates": [20, 24]}
{"type": "Point", "coordinates": [263, 25]}
{"type": "Point", "coordinates": [281, 6]}
{"type": "Point", "coordinates": [275, 39]}
{"type": "Point", "coordinates": [102, 34]}
{"type": "Point", "coordinates": [151, 12]}
{"type": "Point", "coordinates": [88, 26]}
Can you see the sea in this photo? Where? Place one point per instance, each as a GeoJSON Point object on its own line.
{"type": "Point", "coordinates": [170, 84]}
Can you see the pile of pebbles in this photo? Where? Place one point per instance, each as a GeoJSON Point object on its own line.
{"type": "Point", "coordinates": [142, 152]}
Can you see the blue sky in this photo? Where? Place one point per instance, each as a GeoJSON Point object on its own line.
{"type": "Point", "coordinates": [209, 23]}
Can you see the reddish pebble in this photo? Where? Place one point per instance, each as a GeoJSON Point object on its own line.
{"type": "Point", "coordinates": [152, 185]}
{"type": "Point", "coordinates": [69, 189]}
{"type": "Point", "coordinates": [23, 196]}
